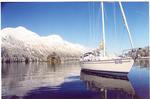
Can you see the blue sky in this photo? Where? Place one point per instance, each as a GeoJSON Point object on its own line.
{"type": "Point", "coordinates": [80, 22]}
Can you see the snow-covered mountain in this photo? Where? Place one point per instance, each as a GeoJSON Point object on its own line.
{"type": "Point", "coordinates": [20, 43]}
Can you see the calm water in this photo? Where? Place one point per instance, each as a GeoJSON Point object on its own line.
{"type": "Point", "coordinates": [43, 81]}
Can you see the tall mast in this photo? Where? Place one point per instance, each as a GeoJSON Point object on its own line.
{"type": "Point", "coordinates": [126, 24]}
{"type": "Point", "coordinates": [103, 27]}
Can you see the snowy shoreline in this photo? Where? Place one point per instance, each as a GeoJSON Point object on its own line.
{"type": "Point", "coordinates": [20, 45]}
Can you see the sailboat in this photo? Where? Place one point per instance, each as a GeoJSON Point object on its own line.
{"type": "Point", "coordinates": [98, 61]}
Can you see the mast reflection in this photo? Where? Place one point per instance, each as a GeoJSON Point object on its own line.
{"type": "Point", "coordinates": [109, 87]}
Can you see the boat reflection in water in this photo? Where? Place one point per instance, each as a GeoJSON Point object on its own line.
{"type": "Point", "coordinates": [109, 87]}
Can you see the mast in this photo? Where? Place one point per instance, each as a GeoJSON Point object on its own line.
{"type": "Point", "coordinates": [103, 28]}
{"type": "Point", "coordinates": [126, 24]}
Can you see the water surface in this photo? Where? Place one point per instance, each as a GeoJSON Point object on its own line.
{"type": "Point", "coordinates": [44, 81]}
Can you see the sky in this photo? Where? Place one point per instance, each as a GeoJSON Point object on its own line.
{"type": "Point", "coordinates": [80, 22]}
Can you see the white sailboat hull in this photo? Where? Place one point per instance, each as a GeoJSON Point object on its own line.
{"type": "Point", "coordinates": [112, 65]}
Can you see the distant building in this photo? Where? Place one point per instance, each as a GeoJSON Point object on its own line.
{"type": "Point", "coordinates": [53, 59]}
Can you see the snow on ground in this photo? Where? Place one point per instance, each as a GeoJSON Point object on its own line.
{"type": "Point", "coordinates": [20, 43]}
